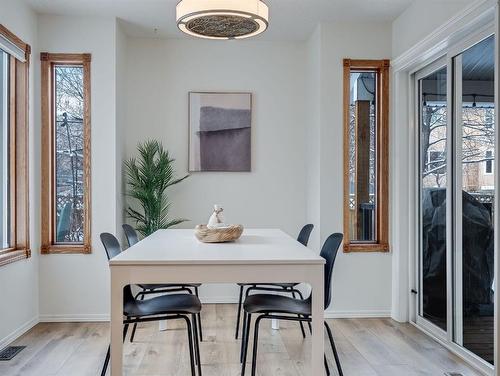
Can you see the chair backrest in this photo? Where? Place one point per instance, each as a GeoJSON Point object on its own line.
{"type": "Point", "coordinates": [113, 248]}
{"type": "Point", "coordinates": [329, 253]}
{"type": "Point", "coordinates": [111, 245]}
{"type": "Point", "coordinates": [131, 234]}
{"type": "Point", "coordinates": [304, 234]}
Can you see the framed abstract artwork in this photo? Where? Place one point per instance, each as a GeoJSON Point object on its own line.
{"type": "Point", "coordinates": [220, 126]}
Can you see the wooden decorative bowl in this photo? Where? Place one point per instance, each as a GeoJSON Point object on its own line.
{"type": "Point", "coordinates": [218, 235]}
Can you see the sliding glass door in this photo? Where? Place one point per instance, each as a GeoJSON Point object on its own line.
{"type": "Point", "coordinates": [433, 183]}
{"type": "Point", "coordinates": [474, 106]}
{"type": "Point", "coordinates": [455, 114]}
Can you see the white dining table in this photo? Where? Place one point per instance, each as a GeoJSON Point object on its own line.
{"type": "Point", "coordinates": [176, 256]}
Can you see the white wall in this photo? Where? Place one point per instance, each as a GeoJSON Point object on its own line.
{"type": "Point", "coordinates": [361, 281]}
{"type": "Point", "coordinates": [121, 87]}
{"type": "Point", "coordinates": [420, 19]}
{"type": "Point", "coordinates": [160, 75]}
{"type": "Point", "coordinates": [19, 280]}
{"type": "Point", "coordinates": [74, 286]}
{"type": "Point", "coordinates": [313, 131]}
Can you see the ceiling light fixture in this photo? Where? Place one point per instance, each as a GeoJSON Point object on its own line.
{"type": "Point", "coordinates": [222, 19]}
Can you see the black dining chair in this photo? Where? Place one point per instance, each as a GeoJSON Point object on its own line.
{"type": "Point", "coordinates": [288, 288]}
{"type": "Point", "coordinates": [278, 307]}
{"type": "Point", "coordinates": [163, 307]}
{"type": "Point", "coordinates": [133, 238]}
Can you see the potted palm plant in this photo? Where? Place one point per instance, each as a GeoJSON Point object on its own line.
{"type": "Point", "coordinates": [148, 177]}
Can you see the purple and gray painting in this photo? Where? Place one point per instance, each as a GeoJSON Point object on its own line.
{"type": "Point", "coordinates": [221, 134]}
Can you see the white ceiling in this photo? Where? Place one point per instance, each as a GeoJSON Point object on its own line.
{"type": "Point", "coordinates": [289, 19]}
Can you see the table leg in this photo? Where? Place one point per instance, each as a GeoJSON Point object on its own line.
{"type": "Point", "coordinates": [116, 324]}
{"type": "Point", "coordinates": [318, 346]}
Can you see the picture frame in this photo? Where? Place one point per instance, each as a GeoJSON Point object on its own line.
{"type": "Point", "coordinates": [220, 131]}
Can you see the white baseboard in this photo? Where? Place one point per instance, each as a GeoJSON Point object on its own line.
{"type": "Point", "coordinates": [213, 300]}
{"type": "Point", "coordinates": [362, 314]}
{"type": "Point", "coordinates": [103, 317]}
{"type": "Point", "coordinates": [92, 317]}
{"type": "Point", "coordinates": [18, 332]}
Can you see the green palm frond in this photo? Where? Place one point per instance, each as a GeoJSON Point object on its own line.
{"type": "Point", "coordinates": [148, 177]}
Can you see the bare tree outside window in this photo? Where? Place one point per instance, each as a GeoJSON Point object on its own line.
{"type": "Point", "coordinates": [478, 138]}
{"type": "Point", "coordinates": [69, 140]}
{"type": "Point", "coordinates": [433, 141]}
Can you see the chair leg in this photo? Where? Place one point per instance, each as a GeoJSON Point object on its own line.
{"type": "Point", "coordinates": [190, 340]}
{"type": "Point", "coordinates": [135, 324]}
{"type": "Point", "coordinates": [242, 336]}
{"type": "Point", "coordinates": [255, 345]}
{"type": "Point", "coordinates": [240, 302]}
{"type": "Point", "coordinates": [246, 336]}
{"type": "Point", "coordinates": [196, 344]}
{"type": "Point", "coordinates": [199, 316]}
{"type": "Point", "coordinates": [308, 323]}
{"type": "Point", "coordinates": [200, 334]}
{"type": "Point", "coordinates": [195, 337]}
{"type": "Point", "coordinates": [106, 362]}
{"type": "Point", "coordinates": [326, 367]}
{"type": "Point", "coordinates": [125, 329]}
{"type": "Point", "coordinates": [300, 322]}
{"type": "Point", "coordinates": [133, 333]}
{"type": "Point", "coordinates": [108, 353]}
{"type": "Point", "coordinates": [335, 354]}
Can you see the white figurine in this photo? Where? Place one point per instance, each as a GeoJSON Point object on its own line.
{"type": "Point", "coordinates": [216, 219]}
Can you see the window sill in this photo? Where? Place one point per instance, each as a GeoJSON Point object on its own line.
{"type": "Point", "coordinates": [65, 249]}
{"type": "Point", "coordinates": [360, 247]}
{"type": "Point", "coordinates": [14, 255]}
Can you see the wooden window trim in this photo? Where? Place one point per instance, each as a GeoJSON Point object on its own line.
{"type": "Point", "coordinates": [381, 67]}
{"type": "Point", "coordinates": [48, 60]}
{"type": "Point", "coordinates": [14, 39]}
{"type": "Point", "coordinates": [19, 152]}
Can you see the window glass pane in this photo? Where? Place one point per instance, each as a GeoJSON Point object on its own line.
{"type": "Point", "coordinates": [362, 157]}
{"type": "Point", "coordinates": [4, 152]}
{"type": "Point", "coordinates": [433, 174]}
{"type": "Point", "coordinates": [69, 108]}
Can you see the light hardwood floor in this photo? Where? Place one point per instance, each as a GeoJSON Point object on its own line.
{"type": "Point", "coordinates": [367, 347]}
